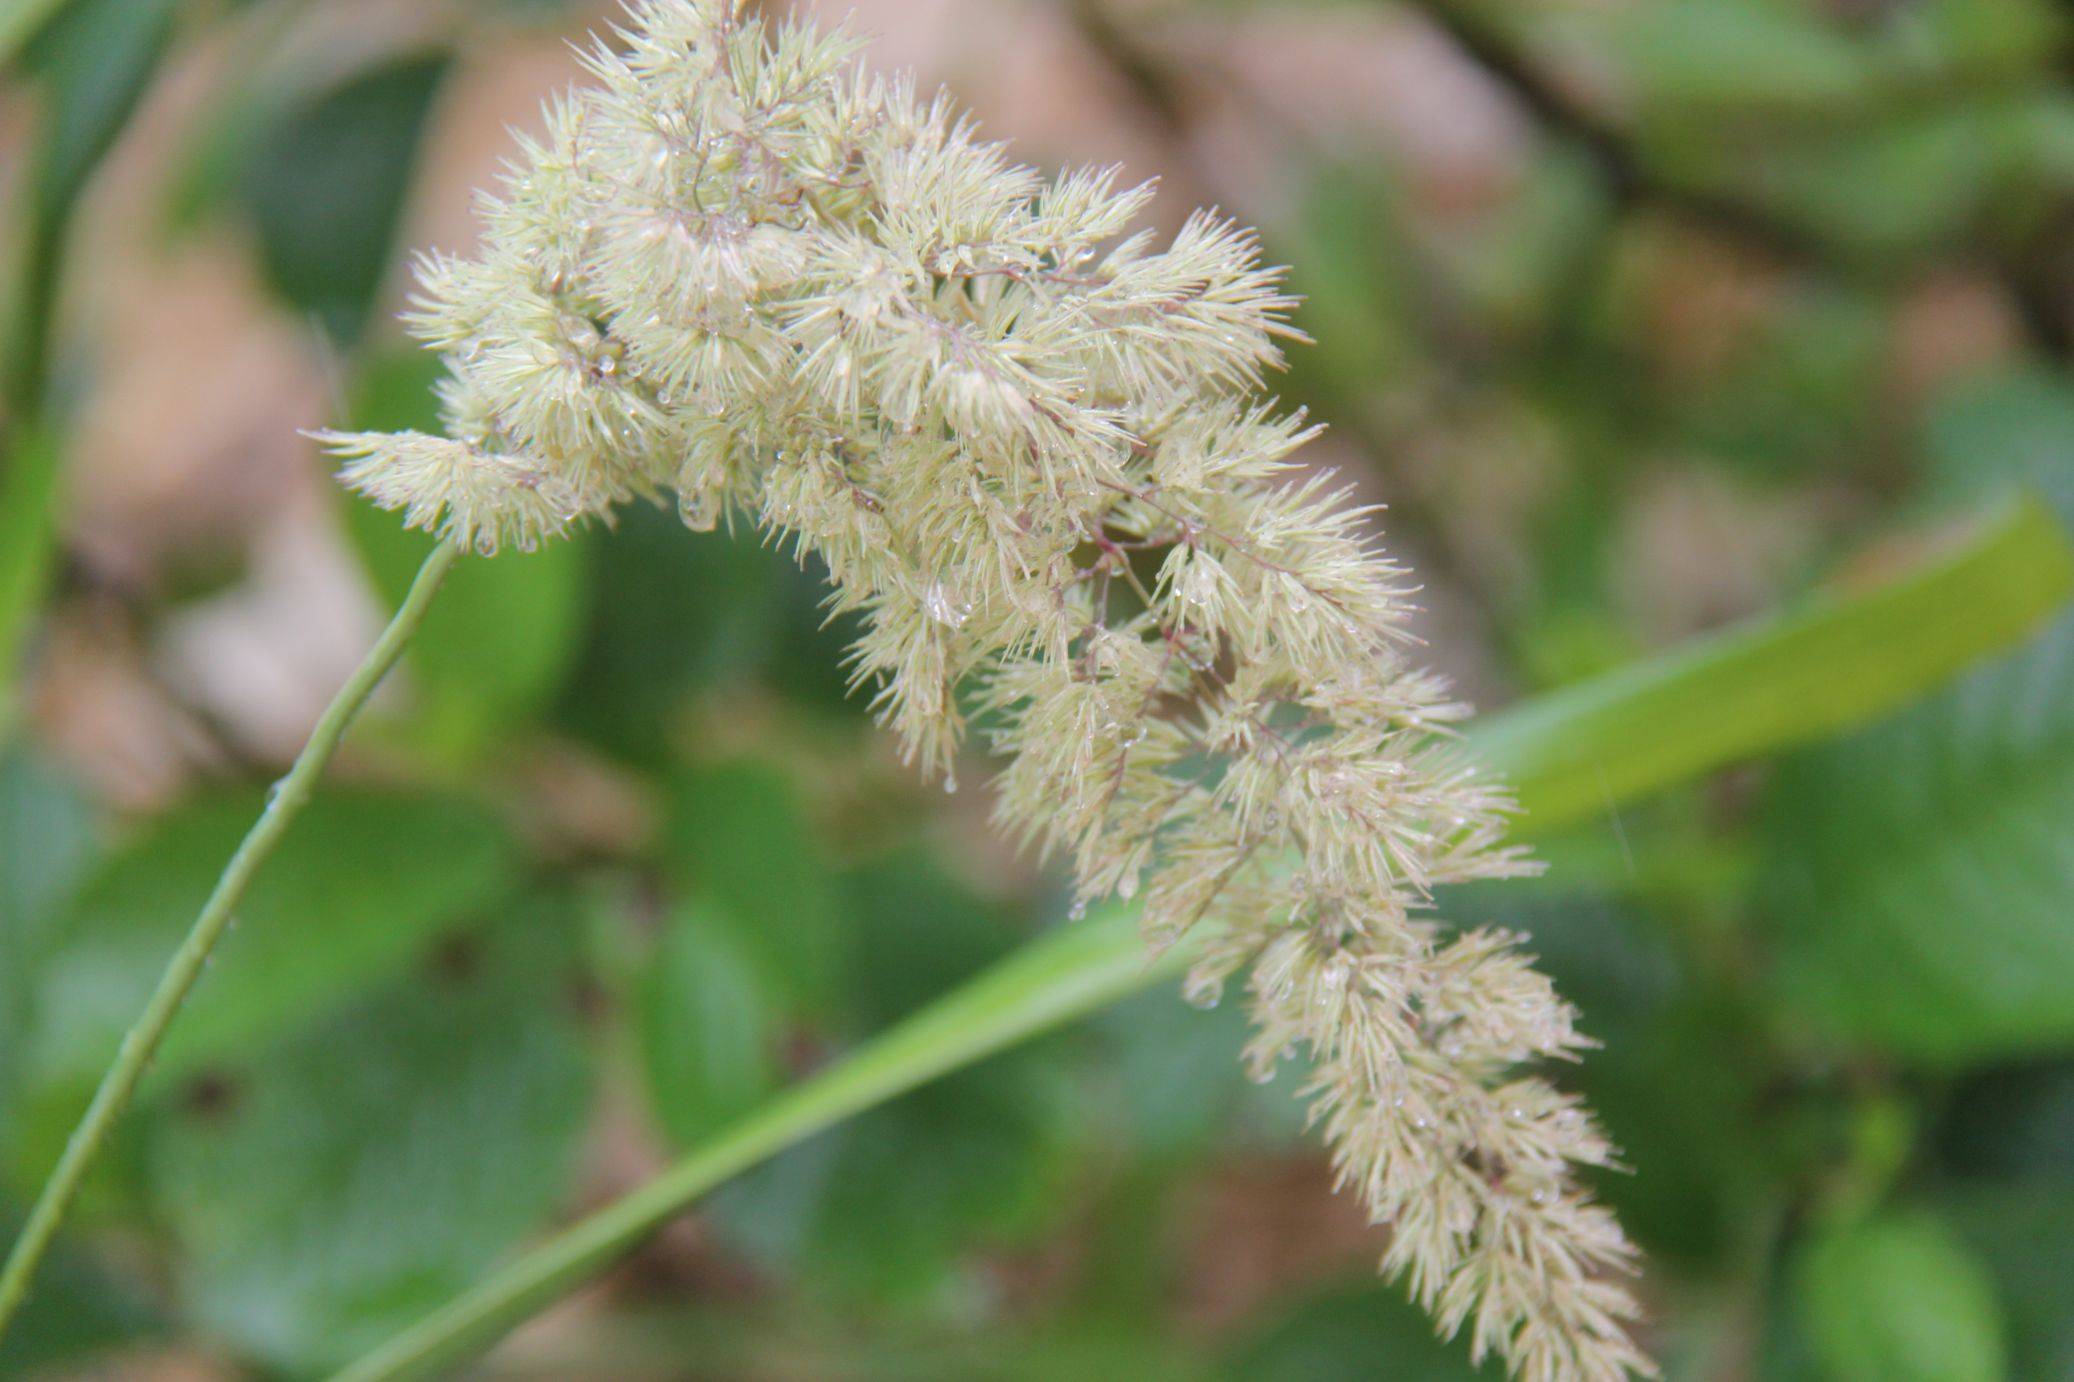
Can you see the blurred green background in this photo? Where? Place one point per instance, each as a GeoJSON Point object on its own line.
{"type": "Point", "coordinates": [1643, 316]}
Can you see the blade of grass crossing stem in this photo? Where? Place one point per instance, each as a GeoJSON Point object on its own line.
{"type": "Point", "coordinates": [1770, 685]}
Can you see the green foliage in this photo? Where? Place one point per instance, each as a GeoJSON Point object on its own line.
{"type": "Point", "coordinates": [708, 1033]}
{"type": "Point", "coordinates": [739, 838]}
{"type": "Point", "coordinates": [884, 1205]}
{"type": "Point", "coordinates": [95, 57]}
{"type": "Point", "coordinates": [1899, 1297]}
{"type": "Point", "coordinates": [78, 1310]}
{"type": "Point", "coordinates": [2021, 1232]}
{"type": "Point", "coordinates": [326, 1189]}
{"type": "Point", "coordinates": [28, 512]}
{"type": "Point", "coordinates": [326, 188]}
{"type": "Point", "coordinates": [1919, 893]}
{"type": "Point", "coordinates": [1922, 904]}
{"type": "Point", "coordinates": [353, 893]}
{"type": "Point", "coordinates": [669, 620]}
{"type": "Point", "coordinates": [1340, 1333]}
{"type": "Point", "coordinates": [46, 839]}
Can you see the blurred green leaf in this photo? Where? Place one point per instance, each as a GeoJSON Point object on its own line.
{"type": "Point", "coordinates": [75, 1311]}
{"type": "Point", "coordinates": [1924, 869]}
{"type": "Point", "coordinates": [1690, 57]}
{"type": "Point", "coordinates": [739, 837]}
{"type": "Point", "coordinates": [1917, 180]}
{"type": "Point", "coordinates": [969, 1160]}
{"type": "Point", "coordinates": [20, 25]}
{"type": "Point", "coordinates": [883, 1205]}
{"type": "Point", "coordinates": [503, 636]}
{"type": "Point", "coordinates": [326, 188]}
{"type": "Point", "coordinates": [1839, 660]}
{"type": "Point", "coordinates": [92, 60]}
{"type": "Point", "coordinates": [2009, 428]}
{"type": "Point", "coordinates": [1899, 1299]}
{"type": "Point", "coordinates": [2012, 1123]}
{"type": "Point", "coordinates": [46, 835]}
{"type": "Point", "coordinates": [327, 1189]}
{"type": "Point", "coordinates": [1923, 875]}
{"type": "Point", "coordinates": [47, 832]}
{"type": "Point", "coordinates": [707, 1031]}
{"type": "Point", "coordinates": [672, 614]}
{"type": "Point", "coordinates": [350, 895]}
{"type": "Point", "coordinates": [669, 613]}
{"type": "Point", "coordinates": [1347, 243]}
{"type": "Point", "coordinates": [1183, 1088]}
{"type": "Point", "coordinates": [29, 489]}
{"type": "Point", "coordinates": [94, 57]}
{"type": "Point", "coordinates": [1353, 1333]}
{"type": "Point", "coordinates": [1803, 391]}
{"type": "Point", "coordinates": [2025, 1235]}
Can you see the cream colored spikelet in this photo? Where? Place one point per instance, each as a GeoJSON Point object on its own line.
{"type": "Point", "coordinates": [1029, 444]}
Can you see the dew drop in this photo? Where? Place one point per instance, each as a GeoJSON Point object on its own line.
{"type": "Point", "coordinates": [950, 786]}
{"type": "Point", "coordinates": [940, 603]}
{"type": "Point", "coordinates": [1078, 911]}
{"type": "Point", "coordinates": [698, 510]}
{"type": "Point", "coordinates": [1260, 1074]}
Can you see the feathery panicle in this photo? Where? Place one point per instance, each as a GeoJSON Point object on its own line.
{"type": "Point", "coordinates": [1027, 443]}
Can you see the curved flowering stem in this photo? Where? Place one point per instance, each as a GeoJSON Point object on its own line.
{"type": "Point", "coordinates": [1751, 691]}
{"type": "Point", "coordinates": [284, 803]}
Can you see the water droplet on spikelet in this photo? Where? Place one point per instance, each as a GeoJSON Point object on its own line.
{"type": "Point", "coordinates": [943, 605]}
{"type": "Point", "coordinates": [698, 509]}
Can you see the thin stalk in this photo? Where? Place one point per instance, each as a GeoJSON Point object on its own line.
{"type": "Point", "coordinates": [284, 803]}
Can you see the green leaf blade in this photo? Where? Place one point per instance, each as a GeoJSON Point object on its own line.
{"type": "Point", "coordinates": [1843, 659]}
